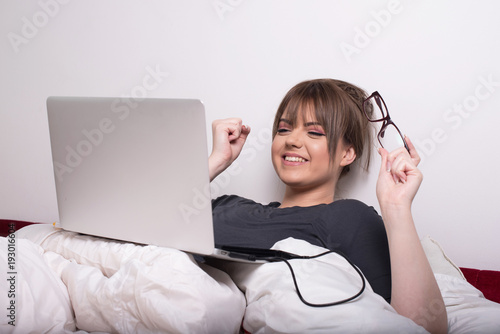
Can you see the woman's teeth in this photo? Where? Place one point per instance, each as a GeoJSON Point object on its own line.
{"type": "Point", "coordinates": [295, 159]}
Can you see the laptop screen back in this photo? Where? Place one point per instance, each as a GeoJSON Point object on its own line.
{"type": "Point", "coordinates": [133, 170]}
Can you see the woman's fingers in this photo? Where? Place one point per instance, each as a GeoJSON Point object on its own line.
{"type": "Point", "coordinates": [233, 128]}
{"type": "Point", "coordinates": [399, 162]}
{"type": "Point", "coordinates": [413, 151]}
{"type": "Point", "coordinates": [229, 136]}
{"type": "Point", "coordinates": [399, 177]}
{"type": "Point", "coordinates": [386, 165]}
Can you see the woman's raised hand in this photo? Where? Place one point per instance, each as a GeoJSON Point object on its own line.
{"type": "Point", "coordinates": [229, 136]}
{"type": "Point", "coordinates": [399, 177]}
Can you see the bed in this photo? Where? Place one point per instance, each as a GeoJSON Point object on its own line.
{"type": "Point", "coordinates": [63, 282]}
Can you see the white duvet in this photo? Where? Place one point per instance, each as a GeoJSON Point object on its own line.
{"type": "Point", "coordinates": [66, 282]}
{"type": "Point", "coordinates": [115, 287]}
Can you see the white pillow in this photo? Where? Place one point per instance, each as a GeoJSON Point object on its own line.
{"type": "Point", "coordinates": [274, 307]}
{"type": "Point", "coordinates": [440, 263]}
{"type": "Point", "coordinates": [468, 310]}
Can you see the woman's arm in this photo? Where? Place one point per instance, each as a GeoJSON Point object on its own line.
{"type": "Point", "coordinates": [415, 293]}
{"type": "Point", "coordinates": [229, 136]}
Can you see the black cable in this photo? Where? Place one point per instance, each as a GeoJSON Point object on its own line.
{"type": "Point", "coordinates": [286, 261]}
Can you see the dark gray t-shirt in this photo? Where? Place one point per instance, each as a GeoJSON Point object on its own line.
{"type": "Point", "coordinates": [349, 226]}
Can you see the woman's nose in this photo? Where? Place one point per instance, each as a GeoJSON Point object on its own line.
{"type": "Point", "coordinates": [294, 139]}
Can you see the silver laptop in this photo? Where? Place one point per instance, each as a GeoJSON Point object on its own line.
{"type": "Point", "coordinates": [134, 170]}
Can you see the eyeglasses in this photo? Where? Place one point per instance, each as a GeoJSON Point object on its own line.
{"type": "Point", "coordinates": [389, 135]}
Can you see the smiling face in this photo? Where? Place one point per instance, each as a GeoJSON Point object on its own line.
{"type": "Point", "coordinates": [319, 130]}
{"type": "Point", "coordinates": [301, 155]}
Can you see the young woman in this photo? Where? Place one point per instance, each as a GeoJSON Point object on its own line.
{"type": "Point", "coordinates": [320, 129]}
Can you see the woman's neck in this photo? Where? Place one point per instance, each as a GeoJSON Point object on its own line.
{"type": "Point", "coordinates": [304, 198]}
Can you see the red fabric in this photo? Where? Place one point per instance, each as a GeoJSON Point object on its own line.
{"type": "Point", "coordinates": [7, 226]}
{"type": "Point", "coordinates": [488, 281]}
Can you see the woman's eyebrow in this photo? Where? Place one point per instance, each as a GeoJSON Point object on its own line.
{"type": "Point", "coordinates": [312, 123]}
{"type": "Point", "coordinates": [287, 121]}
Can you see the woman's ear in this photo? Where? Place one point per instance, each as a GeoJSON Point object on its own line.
{"type": "Point", "coordinates": [348, 156]}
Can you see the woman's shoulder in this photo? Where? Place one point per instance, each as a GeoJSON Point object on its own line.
{"type": "Point", "coordinates": [232, 200]}
{"type": "Point", "coordinates": [350, 202]}
{"type": "Point", "coordinates": [353, 207]}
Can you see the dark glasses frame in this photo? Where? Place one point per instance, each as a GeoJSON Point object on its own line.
{"type": "Point", "coordinates": [386, 118]}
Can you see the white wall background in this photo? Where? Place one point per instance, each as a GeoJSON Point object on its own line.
{"type": "Point", "coordinates": [435, 63]}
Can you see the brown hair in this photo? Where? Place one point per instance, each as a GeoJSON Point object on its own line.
{"type": "Point", "coordinates": [338, 107]}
